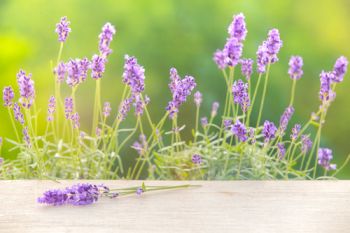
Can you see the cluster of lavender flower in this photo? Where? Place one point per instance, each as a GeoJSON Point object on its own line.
{"type": "Point", "coordinates": [235, 131]}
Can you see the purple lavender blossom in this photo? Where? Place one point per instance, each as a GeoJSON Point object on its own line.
{"type": "Point", "coordinates": [8, 96]}
{"type": "Point", "coordinates": [295, 67]}
{"type": "Point", "coordinates": [198, 98]}
{"type": "Point", "coordinates": [139, 104]}
{"type": "Point", "coordinates": [284, 120]}
{"type": "Point", "coordinates": [326, 92]}
{"type": "Point", "coordinates": [106, 36]}
{"type": "Point", "coordinates": [240, 94]}
{"type": "Point", "coordinates": [84, 66]}
{"type": "Point", "coordinates": [180, 89]}
{"type": "Point", "coordinates": [196, 159]}
{"type": "Point", "coordinates": [273, 42]}
{"type": "Point", "coordinates": [232, 51]}
{"type": "Point", "coordinates": [340, 68]}
{"type": "Point", "coordinates": [214, 109]}
{"type": "Point", "coordinates": [251, 135]}
{"type": "Point", "coordinates": [124, 109]}
{"type": "Point", "coordinates": [324, 158]}
{"type": "Point", "coordinates": [51, 108]}
{"type": "Point", "coordinates": [237, 28]}
{"type": "Point", "coordinates": [18, 114]}
{"type": "Point", "coordinates": [60, 71]}
{"type": "Point", "coordinates": [269, 131]}
{"type": "Point", "coordinates": [139, 191]}
{"type": "Point", "coordinates": [219, 58]}
{"type": "Point", "coordinates": [306, 143]}
{"type": "Point", "coordinates": [262, 58]}
{"type": "Point", "coordinates": [26, 89]}
{"type": "Point", "coordinates": [54, 197]}
{"type": "Point", "coordinates": [76, 120]}
{"type": "Point", "coordinates": [281, 150]}
{"type": "Point", "coordinates": [247, 67]}
{"type": "Point", "coordinates": [134, 75]}
{"type": "Point", "coordinates": [295, 132]}
{"type": "Point", "coordinates": [107, 109]}
{"type": "Point", "coordinates": [26, 137]}
{"type": "Point", "coordinates": [68, 107]}
{"type": "Point", "coordinates": [63, 29]}
{"type": "Point", "coordinates": [240, 131]}
{"type": "Point", "coordinates": [73, 72]}
{"type": "Point", "coordinates": [204, 121]}
{"type": "Point", "coordinates": [97, 66]}
{"type": "Point", "coordinates": [141, 145]}
{"type": "Point", "coordinates": [227, 123]}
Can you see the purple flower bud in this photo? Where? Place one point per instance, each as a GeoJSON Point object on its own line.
{"type": "Point", "coordinates": [74, 72]}
{"type": "Point", "coordinates": [18, 114]}
{"type": "Point", "coordinates": [295, 132]}
{"type": "Point", "coordinates": [286, 116]}
{"type": "Point", "coordinates": [198, 98]}
{"type": "Point", "coordinates": [295, 67]}
{"type": "Point", "coordinates": [107, 109]}
{"type": "Point", "coordinates": [219, 58]}
{"type": "Point", "coordinates": [251, 135]}
{"type": "Point", "coordinates": [106, 37]}
{"type": "Point", "coordinates": [97, 66]}
{"type": "Point", "coordinates": [340, 68]}
{"type": "Point", "coordinates": [76, 120]}
{"type": "Point", "coordinates": [134, 75]}
{"type": "Point", "coordinates": [227, 123]}
{"type": "Point", "coordinates": [8, 96]}
{"type": "Point", "coordinates": [60, 71]}
{"type": "Point", "coordinates": [84, 66]}
{"type": "Point", "coordinates": [238, 29]}
{"type": "Point", "coordinates": [240, 94]}
{"type": "Point", "coordinates": [63, 29]}
{"type": "Point", "coordinates": [281, 150]}
{"type": "Point", "coordinates": [232, 51]}
{"type": "Point", "coordinates": [324, 158]}
{"type": "Point", "coordinates": [269, 131]}
{"type": "Point", "coordinates": [26, 89]}
{"type": "Point", "coordinates": [51, 108]}
{"type": "Point", "coordinates": [26, 137]}
{"type": "Point", "coordinates": [204, 121]}
{"type": "Point", "coordinates": [240, 131]}
{"type": "Point", "coordinates": [124, 109]}
{"type": "Point", "coordinates": [326, 92]}
{"type": "Point", "coordinates": [196, 159]}
{"type": "Point", "coordinates": [139, 105]}
{"type": "Point", "coordinates": [139, 191]}
{"type": "Point", "coordinates": [214, 109]}
{"type": "Point", "coordinates": [68, 107]}
{"type": "Point", "coordinates": [141, 145]}
{"type": "Point", "coordinates": [247, 67]}
{"type": "Point", "coordinates": [306, 144]}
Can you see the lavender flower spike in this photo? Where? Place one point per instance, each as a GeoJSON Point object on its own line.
{"type": "Point", "coordinates": [26, 89]}
{"type": "Point", "coordinates": [295, 67]}
{"type": "Point", "coordinates": [60, 71]}
{"type": "Point", "coordinates": [26, 137]}
{"type": "Point", "coordinates": [286, 116]}
{"type": "Point", "coordinates": [326, 92]}
{"type": "Point", "coordinates": [269, 131]}
{"type": "Point", "coordinates": [273, 42]}
{"type": "Point", "coordinates": [124, 109]}
{"type": "Point", "coordinates": [196, 159]}
{"type": "Point", "coordinates": [63, 29]}
{"type": "Point", "coordinates": [107, 109]}
{"type": "Point", "coordinates": [240, 131]}
{"type": "Point", "coordinates": [68, 107]}
{"type": "Point", "coordinates": [134, 75]}
{"type": "Point", "coordinates": [106, 37]}
{"type": "Point", "coordinates": [232, 51]}
{"type": "Point", "coordinates": [324, 158]}
{"type": "Point", "coordinates": [198, 98]}
{"type": "Point", "coordinates": [214, 109]}
{"type": "Point", "coordinates": [51, 108]}
{"type": "Point", "coordinates": [247, 67]}
{"type": "Point", "coordinates": [219, 58]}
{"type": "Point", "coordinates": [306, 143]}
{"type": "Point", "coordinates": [240, 94]}
{"type": "Point", "coordinates": [8, 96]}
{"type": "Point", "coordinates": [281, 150]}
{"type": "Point", "coordinates": [295, 132]}
{"type": "Point", "coordinates": [237, 28]}
{"type": "Point", "coordinates": [18, 114]}
{"type": "Point", "coordinates": [340, 68]}
{"type": "Point", "coordinates": [97, 66]}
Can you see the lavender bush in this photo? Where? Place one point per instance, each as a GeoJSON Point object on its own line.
{"type": "Point", "coordinates": [237, 148]}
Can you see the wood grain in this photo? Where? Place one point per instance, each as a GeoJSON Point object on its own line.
{"type": "Point", "coordinates": [217, 206]}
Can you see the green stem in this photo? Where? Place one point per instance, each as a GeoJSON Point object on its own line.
{"type": "Point", "coordinates": [263, 95]}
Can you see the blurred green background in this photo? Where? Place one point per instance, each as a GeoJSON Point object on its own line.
{"type": "Point", "coordinates": [183, 34]}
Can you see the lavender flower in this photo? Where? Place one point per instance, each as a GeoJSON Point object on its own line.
{"type": "Point", "coordinates": [326, 92]}
{"type": "Point", "coordinates": [51, 108]}
{"type": "Point", "coordinates": [84, 66]}
{"type": "Point", "coordinates": [273, 42]}
{"type": "Point", "coordinates": [74, 72]}
{"type": "Point", "coordinates": [18, 114]}
{"type": "Point", "coordinates": [232, 51]}
{"type": "Point", "coordinates": [247, 67]}
{"type": "Point", "coordinates": [139, 104]}
{"type": "Point", "coordinates": [139, 191]}
{"type": "Point", "coordinates": [124, 109]}
{"type": "Point", "coordinates": [8, 96]}
{"type": "Point", "coordinates": [306, 143]}
{"type": "Point", "coordinates": [214, 109]}
{"type": "Point", "coordinates": [251, 135]}
{"type": "Point", "coordinates": [180, 88]}
{"type": "Point", "coordinates": [107, 109]}
{"type": "Point", "coordinates": [269, 131]}
{"type": "Point", "coordinates": [60, 71]}
{"type": "Point", "coordinates": [240, 131]}
{"type": "Point", "coordinates": [76, 120]}
{"type": "Point", "coordinates": [68, 107]}
{"type": "Point", "coordinates": [141, 145]}
{"type": "Point", "coordinates": [63, 29]}
{"type": "Point", "coordinates": [324, 158]}
{"type": "Point", "coordinates": [54, 197]}
{"type": "Point", "coordinates": [295, 132]}
{"type": "Point", "coordinates": [340, 68]}
{"type": "Point", "coordinates": [196, 159]}
{"type": "Point", "coordinates": [204, 121]}
{"type": "Point", "coordinates": [286, 116]}
{"type": "Point", "coordinates": [134, 75]}
{"type": "Point", "coordinates": [198, 98]}
{"type": "Point", "coordinates": [97, 66]}
{"type": "Point", "coordinates": [219, 58]}
{"type": "Point", "coordinates": [106, 37]}
{"type": "Point", "coordinates": [281, 150]}
{"type": "Point", "coordinates": [98, 131]}
{"type": "Point", "coordinates": [240, 94]}
{"type": "Point", "coordinates": [227, 123]}
{"type": "Point", "coordinates": [295, 67]}
{"type": "Point", "coordinates": [26, 137]}
{"type": "Point", "coordinates": [262, 58]}
{"type": "Point", "coordinates": [26, 89]}
{"type": "Point", "coordinates": [237, 28]}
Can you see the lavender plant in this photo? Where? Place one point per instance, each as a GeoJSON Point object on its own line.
{"type": "Point", "coordinates": [237, 148]}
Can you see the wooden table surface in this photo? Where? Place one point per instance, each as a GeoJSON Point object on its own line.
{"type": "Point", "coordinates": [216, 206]}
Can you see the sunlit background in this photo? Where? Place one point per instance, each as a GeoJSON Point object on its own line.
{"type": "Point", "coordinates": [183, 34]}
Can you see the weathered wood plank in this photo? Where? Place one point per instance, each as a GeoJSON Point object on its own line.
{"type": "Point", "coordinates": [217, 206]}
